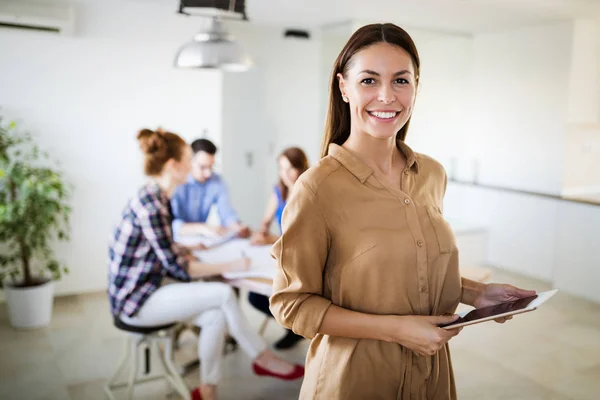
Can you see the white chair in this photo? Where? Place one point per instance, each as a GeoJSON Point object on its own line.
{"type": "Point", "coordinates": [157, 339]}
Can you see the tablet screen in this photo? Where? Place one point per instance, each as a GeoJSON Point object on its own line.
{"type": "Point", "coordinates": [485, 312]}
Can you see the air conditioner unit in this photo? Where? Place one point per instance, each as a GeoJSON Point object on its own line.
{"type": "Point", "coordinates": [48, 17]}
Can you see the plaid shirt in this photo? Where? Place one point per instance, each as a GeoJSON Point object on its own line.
{"type": "Point", "coordinates": [142, 252]}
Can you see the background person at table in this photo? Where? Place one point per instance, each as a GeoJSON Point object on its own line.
{"type": "Point", "coordinates": [192, 201]}
{"type": "Point", "coordinates": [142, 254]}
{"type": "Point", "coordinates": [292, 162]}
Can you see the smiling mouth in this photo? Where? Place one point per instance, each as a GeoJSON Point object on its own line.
{"type": "Point", "coordinates": [384, 114]}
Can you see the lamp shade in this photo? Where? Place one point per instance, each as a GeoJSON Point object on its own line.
{"type": "Point", "coordinates": [212, 48]}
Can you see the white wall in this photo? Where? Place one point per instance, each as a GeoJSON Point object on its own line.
{"type": "Point", "coordinates": [519, 106]}
{"type": "Point", "coordinates": [287, 83]}
{"type": "Point", "coordinates": [333, 40]}
{"type": "Point", "coordinates": [86, 96]}
{"type": "Point", "coordinates": [584, 77]}
{"type": "Point", "coordinates": [581, 173]}
{"type": "Point", "coordinates": [518, 131]}
{"type": "Point", "coordinates": [439, 119]}
{"type": "Point", "coordinates": [246, 138]}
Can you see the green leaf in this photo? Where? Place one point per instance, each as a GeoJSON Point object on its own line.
{"type": "Point", "coordinates": [34, 205]}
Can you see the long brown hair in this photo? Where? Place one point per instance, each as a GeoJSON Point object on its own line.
{"type": "Point", "coordinates": [337, 124]}
{"type": "Point", "coordinates": [299, 162]}
{"type": "Point", "coordinates": [158, 148]}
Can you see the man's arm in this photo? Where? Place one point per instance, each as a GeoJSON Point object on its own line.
{"type": "Point", "coordinates": [227, 214]}
{"type": "Point", "coordinates": [178, 211]}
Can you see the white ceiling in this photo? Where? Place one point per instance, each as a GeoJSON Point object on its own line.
{"type": "Point", "coordinates": [465, 16]}
{"type": "Point", "coordinates": [446, 15]}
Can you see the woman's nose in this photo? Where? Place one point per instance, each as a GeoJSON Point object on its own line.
{"type": "Point", "coordinates": [386, 95]}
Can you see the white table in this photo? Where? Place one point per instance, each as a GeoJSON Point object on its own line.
{"type": "Point", "coordinates": [259, 278]}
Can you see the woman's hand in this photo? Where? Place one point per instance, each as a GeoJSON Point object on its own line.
{"type": "Point", "coordinates": [495, 293]}
{"type": "Point", "coordinates": [211, 231]}
{"type": "Point", "coordinates": [244, 232]}
{"type": "Point", "coordinates": [421, 334]}
{"type": "Point", "coordinates": [189, 257]}
{"type": "Point", "coordinates": [239, 265]}
{"type": "Point", "coordinates": [241, 230]}
{"type": "Point", "coordinates": [196, 247]}
{"type": "Point", "coordinates": [259, 239]}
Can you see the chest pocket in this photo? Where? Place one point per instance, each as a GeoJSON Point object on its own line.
{"type": "Point", "coordinates": [443, 231]}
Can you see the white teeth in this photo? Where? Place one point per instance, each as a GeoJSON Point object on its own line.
{"type": "Point", "coordinates": [380, 114]}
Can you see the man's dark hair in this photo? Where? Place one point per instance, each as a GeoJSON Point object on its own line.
{"type": "Point", "coordinates": [204, 145]}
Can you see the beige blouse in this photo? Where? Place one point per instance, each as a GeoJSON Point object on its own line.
{"type": "Point", "coordinates": [351, 240]}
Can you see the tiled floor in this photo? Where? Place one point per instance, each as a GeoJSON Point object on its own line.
{"type": "Point", "coordinates": [553, 353]}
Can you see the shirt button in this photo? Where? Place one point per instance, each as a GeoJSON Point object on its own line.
{"type": "Point", "coordinates": [423, 289]}
{"type": "Point", "coordinates": [406, 201]}
{"type": "Point", "coordinates": [420, 243]}
{"type": "Point", "coordinates": [405, 172]}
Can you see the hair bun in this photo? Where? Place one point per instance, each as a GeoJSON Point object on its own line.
{"type": "Point", "coordinates": [152, 142]}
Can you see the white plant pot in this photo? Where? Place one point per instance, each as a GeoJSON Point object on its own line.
{"type": "Point", "coordinates": [30, 307]}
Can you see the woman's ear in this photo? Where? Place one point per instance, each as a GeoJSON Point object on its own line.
{"type": "Point", "coordinates": [342, 85]}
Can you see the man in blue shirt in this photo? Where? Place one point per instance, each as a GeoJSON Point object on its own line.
{"type": "Point", "coordinates": [192, 201]}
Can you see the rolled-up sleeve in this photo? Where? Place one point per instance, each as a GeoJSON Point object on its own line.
{"type": "Point", "coordinates": [227, 214]}
{"type": "Point", "coordinates": [301, 252]}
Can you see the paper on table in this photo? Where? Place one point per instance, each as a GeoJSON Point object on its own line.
{"type": "Point", "coordinates": [261, 263]}
{"type": "Point", "coordinates": [206, 240]}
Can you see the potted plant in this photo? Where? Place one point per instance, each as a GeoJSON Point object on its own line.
{"type": "Point", "coordinates": [34, 213]}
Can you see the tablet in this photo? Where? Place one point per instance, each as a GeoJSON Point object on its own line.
{"type": "Point", "coordinates": [520, 306]}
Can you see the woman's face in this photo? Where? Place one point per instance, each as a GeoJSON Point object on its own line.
{"type": "Point", "coordinates": [380, 86]}
{"type": "Point", "coordinates": [288, 174]}
{"type": "Point", "coordinates": [181, 169]}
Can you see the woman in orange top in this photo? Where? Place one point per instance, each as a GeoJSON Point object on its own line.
{"type": "Point", "coordinates": [367, 265]}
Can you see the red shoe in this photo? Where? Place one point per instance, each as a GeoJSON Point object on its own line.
{"type": "Point", "coordinates": [196, 395]}
{"type": "Point", "coordinates": [298, 372]}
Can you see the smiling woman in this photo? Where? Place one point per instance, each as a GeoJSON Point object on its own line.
{"type": "Point", "coordinates": [362, 78]}
{"type": "Point", "coordinates": [380, 95]}
{"type": "Point", "coordinates": [367, 265]}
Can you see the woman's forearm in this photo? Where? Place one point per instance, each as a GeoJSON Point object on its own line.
{"type": "Point", "coordinates": [342, 322]}
{"type": "Point", "coordinates": [470, 291]}
{"type": "Point", "coordinates": [269, 214]}
{"type": "Point", "coordinates": [194, 228]}
{"type": "Point", "coordinates": [265, 225]}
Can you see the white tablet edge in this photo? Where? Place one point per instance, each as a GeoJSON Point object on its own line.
{"type": "Point", "coordinates": [506, 314]}
{"type": "Point", "coordinates": [541, 299]}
